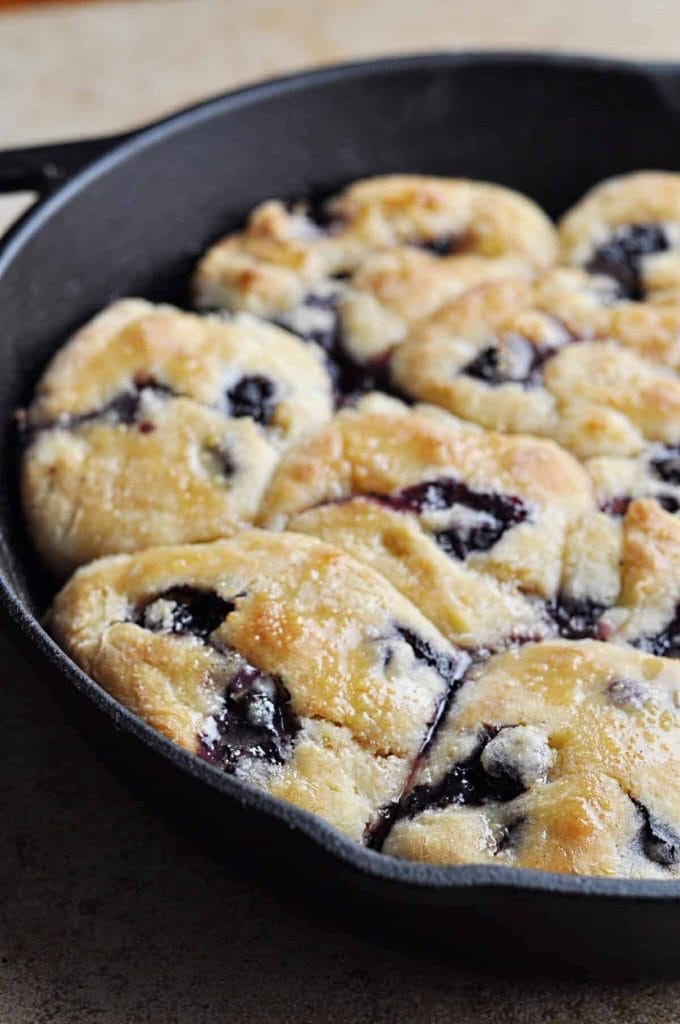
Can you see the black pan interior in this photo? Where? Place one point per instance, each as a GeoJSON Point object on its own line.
{"type": "Point", "coordinates": [135, 222]}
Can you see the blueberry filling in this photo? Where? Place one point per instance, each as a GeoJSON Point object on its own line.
{"type": "Point", "coordinates": [627, 694]}
{"type": "Point", "coordinates": [452, 669]}
{"type": "Point", "coordinates": [668, 503]}
{"type": "Point", "coordinates": [375, 375]}
{"type": "Point", "coordinates": [184, 610]}
{"type": "Point", "coordinates": [665, 644]}
{"type": "Point", "coordinates": [380, 826]}
{"type": "Point", "coordinates": [618, 506]}
{"type": "Point", "coordinates": [516, 362]}
{"type": "Point", "coordinates": [666, 465]}
{"type": "Point", "coordinates": [510, 835]}
{"type": "Point", "coordinates": [658, 842]}
{"type": "Point", "coordinates": [321, 323]}
{"type": "Point", "coordinates": [576, 618]}
{"type": "Point", "coordinates": [484, 515]}
{"type": "Point", "coordinates": [255, 722]}
{"type": "Point", "coordinates": [255, 719]}
{"type": "Point", "coordinates": [441, 245]}
{"type": "Point", "coordinates": [466, 784]}
{"type": "Point", "coordinates": [318, 320]}
{"type": "Point", "coordinates": [125, 408]}
{"type": "Point", "coordinates": [220, 461]}
{"type": "Point", "coordinates": [253, 396]}
{"type": "Point", "coordinates": [621, 256]}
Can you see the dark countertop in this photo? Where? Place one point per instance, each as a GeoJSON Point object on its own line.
{"type": "Point", "coordinates": [109, 917]}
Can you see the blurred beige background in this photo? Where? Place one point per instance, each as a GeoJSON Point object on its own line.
{"type": "Point", "coordinates": [70, 68]}
{"type": "Point", "coordinates": [105, 916]}
{"type": "Point", "coordinates": [74, 69]}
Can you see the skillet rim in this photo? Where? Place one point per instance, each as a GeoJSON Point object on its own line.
{"type": "Point", "coordinates": [416, 875]}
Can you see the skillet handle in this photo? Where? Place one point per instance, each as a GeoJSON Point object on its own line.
{"type": "Point", "coordinates": [42, 169]}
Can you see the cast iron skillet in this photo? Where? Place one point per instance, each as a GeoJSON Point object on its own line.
{"type": "Point", "coordinates": [132, 223]}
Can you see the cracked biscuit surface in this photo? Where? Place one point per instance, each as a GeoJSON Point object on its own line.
{"type": "Point", "coordinates": [356, 272]}
{"type": "Point", "coordinates": [155, 426]}
{"type": "Point", "coordinates": [554, 756]}
{"type": "Point", "coordinates": [621, 579]}
{"type": "Point", "coordinates": [470, 525]}
{"type": "Point", "coordinates": [273, 656]}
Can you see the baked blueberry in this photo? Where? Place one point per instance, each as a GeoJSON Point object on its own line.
{"type": "Point", "coordinates": [517, 361]}
{"type": "Point", "coordinates": [576, 618]}
{"type": "Point", "coordinates": [483, 518]}
{"type": "Point", "coordinates": [184, 609]}
{"type": "Point", "coordinates": [443, 245]}
{"type": "Point", "coordinates": [253, 396]}
{"type": "Point", "coordinates": [665, 463]}
{"type": "Point", "coordinates": [468, 782]}
{"type": "Point", "coordinates": [660, 844]}
{"type": "Point", "coordinates": [620, 256]}
{"type": "Point", "coordinates": [253, 722]}
{"type": "Point", "coordinates": [319, 319]}
{"type": "Point", "coordinates": [665, 643]}
{"type": "Point", "coordinates": [649, 474]}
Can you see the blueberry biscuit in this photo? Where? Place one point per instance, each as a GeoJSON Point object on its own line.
{"type": "Point", "coordinates": [554, 756]}
{"type": "Point", "coordinates": [621, 579]}
{"type": "Point", "coordinates": [499, 358]}
{"type": "Point", "coordinates": [274, 657]}
{"type": "Point", "coordinates": [654, 473]}
{"type": "Point", "coordinates": [154, 426]}
{"type": "Point", "coordinates": [469, 525]}
{"type": "Point", "coordinates": [628, 228]}
{"type": "Point", "coordinates": [647, 610]}
{"type": "Point", "coordinates": [592, 306]}
{"type": "Point", "coordinates": [355, 273]}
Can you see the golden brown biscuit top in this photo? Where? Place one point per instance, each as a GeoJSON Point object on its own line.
{"type": "Point", "coordinates": [346, 646]}
{"type": "Point", "coordinates": [384, 253]}
{"type": "Point", "coordinates": [154, 426]}
{"type": "Point", "coordinates": [477, 216]}
{"type": "Point", "coordinates": [646, 612]}
{"type": "Point", "coordinates": [536, 358]}
{"type": "Point", "coordinates": [555, 756]}
{"type": "Point", "coordinates": [498, 503]}
{"type": "Point", "coordinates": [587, 306]}
{"type": "Point", "coordinates": [134, 346]}
{"type": "Point", "coordinates": [378, 448]}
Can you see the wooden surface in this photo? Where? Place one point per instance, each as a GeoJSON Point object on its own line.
{"type": "Point", "coordinates": [107, 917]}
